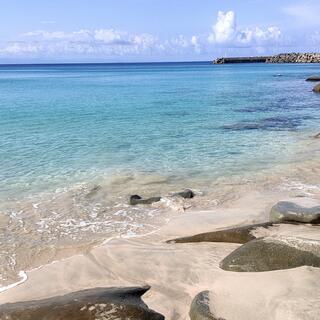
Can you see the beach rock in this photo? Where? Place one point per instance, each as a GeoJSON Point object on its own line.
{"type": "Point", "coordinates": [285, 211]}
{"type": "Point", "coordinates": [273, 253]}
{"type": "Point", "coordinates": [98, 304]}
{"type": "Point", "coordinates": [317, 136]}
{"type": "Point", "coordinates": [200, 309]}
{"type": "Point", "coordinates": [186, 194]}
{"type": "Point", "coordinates": [313, 78]}
{"type": "Point", "coordinates": [135, 199]}
{"type": "Point", "coordinates": [93, 192]}
{"type": "Point", "coordinates": [233, 235]}
{"type": "Point", "coordinates": [316, 88]}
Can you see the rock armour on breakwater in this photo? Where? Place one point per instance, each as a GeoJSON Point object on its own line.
{"type": "Point", "coordinates": [279, 58]}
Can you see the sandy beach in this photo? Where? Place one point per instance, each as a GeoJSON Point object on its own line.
{"type": "Point", "coordinates": [177, 272]}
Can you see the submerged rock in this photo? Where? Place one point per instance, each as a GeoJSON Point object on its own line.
{"type": "Point", "coordinates": [97, 304]}
{"type": "Point", "coordinates": [186, 194]}
{"type": "Point", "coordinates": [233, 235]}
{"type": "Point", "coordinates": [135, 199]}
{"type": "Point", "coordinates": [200, 309]}
{"type": "Point", "coordinates": [316, 88]}
{"type": "Point", "coordinates": [273, 253]}
{"type": "Point", "coordinates": [313, 78]}
{"type": "Point", "coordinates": [285, 211]}
{"type": "Point", "coordinates": [317, 136]}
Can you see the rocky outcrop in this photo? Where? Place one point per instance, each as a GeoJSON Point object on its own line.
{"type": "Point", "coordinates": [273, 253]}
{"type": "Point", "coordinates": [285, 211]}
{"type": "Point", "coordinates": [313, 78]}
{"type": "Point", "coordinates": [200, 309]}
{"type": "Point", "coordinates": [316, 88]}
{"type": "Point", "coordinates": [233, 235]}
{"type": "Point", "coordinates": [295, 58]}
{"type": "Point", "coordinates": [98, 304]}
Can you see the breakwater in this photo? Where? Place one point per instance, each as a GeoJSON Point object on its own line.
{"type": "Point", "coordinates": [279, 58]}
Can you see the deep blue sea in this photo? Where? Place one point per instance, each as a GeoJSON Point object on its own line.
{"type": "Point", "coordinates": [65, 124]}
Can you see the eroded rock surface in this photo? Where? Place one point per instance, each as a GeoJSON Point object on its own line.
{"type": "Point", "coordinates": [273, 253]}
{"type": "Point", "coordinates": [92, 304]}
{"type": "Point", "coordinates": [313, 78]}
{"type": "Point", "coordinates": [233, 235]}
{"type": "Point", "coordinates": [285, 211]}
{"type": "Point", "coordinates": [200, 309]}
{"type": "Point", "coordinates": [316, 89]}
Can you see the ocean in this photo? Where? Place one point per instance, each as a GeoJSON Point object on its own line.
{"type": "Point", "coordinates": [76, 140]}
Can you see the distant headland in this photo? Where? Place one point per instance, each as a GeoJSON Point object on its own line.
{"type": "Point", "coordinates": [279, 58]}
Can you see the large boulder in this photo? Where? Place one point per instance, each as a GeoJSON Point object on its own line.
{"type": "Point", "coordinates": [233, 235]}
{"type": "Point", "coordinates": [273, 253]}
{"type": "Point", "coordinates": [98, 304]}
{"type": "Point", "coordinates": [316, 89]}
{"type": "Point", "coordinates": [313, 78]}
{"type": "Point", "coordinates": [200, 308]}
{"type": "Point", "coordinates": [285, 211]}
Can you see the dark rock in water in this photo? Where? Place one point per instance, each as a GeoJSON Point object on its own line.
{"type": "Point", "coordinates": [233, 235]}
{"type": "Point", "coordinates": [273, 253]}
{"type": "Point", "coordinates": [313, 78]}
{"type": "Point", "coordinates": [317, 136]}
{"type": "Point", "coordinates": [285, 211]}
{"type": "Point", "coordinates": [135, 199]}
{"type": "Point", "coordinates": [93, 304]}
{"type": "Point", "coordinates": [200, 309]}
{"type": "Point", "coordinates": [279, 123]}
{"type": "Point", "coordinates": [316, 88]}
{"type": "Point", "coordinates": [186, 194]}
{"type": "Point", "coordinates": [93, 191]}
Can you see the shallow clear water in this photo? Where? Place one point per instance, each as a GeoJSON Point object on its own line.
{"type": "Point", "coordinates": [63, 124]}
{"type": "Point", "coordinates": [77, 140]}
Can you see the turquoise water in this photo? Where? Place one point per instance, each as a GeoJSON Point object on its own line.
{"type": "Point", "coordinates": [64, 124]}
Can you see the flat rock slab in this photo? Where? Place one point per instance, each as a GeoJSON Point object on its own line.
{"type": "Point", "coordinates": [285, 211]}
{"type": "Point", "coordinates": [273, 253]}
{"type": "Point", "coordinates": [233, 235]}
{"type": "Point", "coordinates": [92, 304]}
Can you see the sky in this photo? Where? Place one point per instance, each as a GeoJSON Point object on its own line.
{"type": "Point", "coordinates": [154, 30]}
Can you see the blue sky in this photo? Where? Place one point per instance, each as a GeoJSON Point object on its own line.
{"type": "Point", "coordinates": [154, 30]}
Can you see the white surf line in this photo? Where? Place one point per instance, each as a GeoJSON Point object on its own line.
{"type": "Point", "coordinates": [23, 277]}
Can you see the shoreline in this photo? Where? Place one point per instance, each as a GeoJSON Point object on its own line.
{"type": "Point", "coordinates": [151, 261]}
{"type": "Point", "coordinates": [147, 259]}
{"type": "Point", "coordinates": [297, 178]}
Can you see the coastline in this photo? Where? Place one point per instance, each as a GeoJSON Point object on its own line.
{"type": "Point", "coordinates": [59, 238]}
{"type": "Point", "coordinates": [174, 278]}
{"type": "Point", "coordinates": [178, 272]}
{"type": "Point", "coordinates": [87, 235]}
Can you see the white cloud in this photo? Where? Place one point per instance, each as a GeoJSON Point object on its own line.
{"type": "Point", "coordinates": [224, 29]}
{"type": "Point", "coordinates": [226, 32]}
